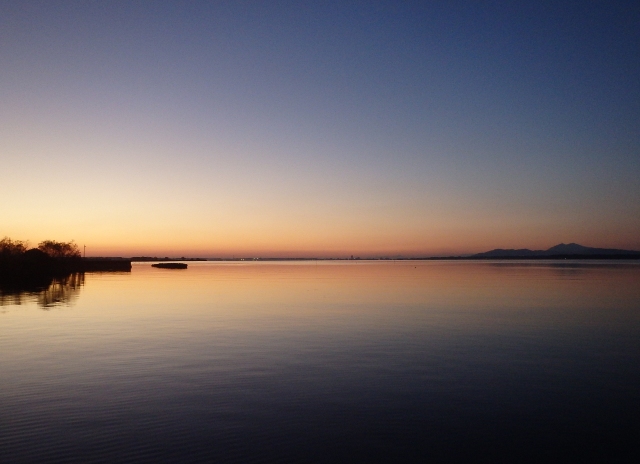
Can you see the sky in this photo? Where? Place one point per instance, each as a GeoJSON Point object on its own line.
{"type": "Point", "coordinates": [319, 128]}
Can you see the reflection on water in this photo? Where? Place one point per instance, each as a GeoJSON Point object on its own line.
{"type": "Point", "coordinates": [52, 291]}
{"type": "Point", "coordinates": [61, 291]}
{"type": "Point", "coordinates": [330, 362]}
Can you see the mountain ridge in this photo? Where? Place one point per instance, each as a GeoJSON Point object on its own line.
{"type": "Point", "coordinates": [562, 249]}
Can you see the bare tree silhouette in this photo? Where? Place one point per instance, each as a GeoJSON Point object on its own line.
{"type": "Point", "coordinates": [12, 248]}
{"type": "Point", "coordinates": [60, 249]}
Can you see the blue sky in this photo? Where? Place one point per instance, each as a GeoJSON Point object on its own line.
{"type": "Point", "coordinates": [325, 128]}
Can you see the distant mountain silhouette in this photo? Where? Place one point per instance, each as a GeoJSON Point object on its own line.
{"type": "Point", "coordinates": [561, 250]}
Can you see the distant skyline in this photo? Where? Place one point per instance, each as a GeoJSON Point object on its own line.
{"type": "Point", "coordinates": [222, 129]}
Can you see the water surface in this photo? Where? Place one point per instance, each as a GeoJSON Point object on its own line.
{"type": "Point", "coordinates": [326, 362]}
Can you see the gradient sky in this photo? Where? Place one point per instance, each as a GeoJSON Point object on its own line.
{"type": "Point", "coordinates": [320, 128]}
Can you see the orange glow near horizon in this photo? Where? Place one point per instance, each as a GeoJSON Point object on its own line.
{"type": "Point", "coordinates": [436, 244]}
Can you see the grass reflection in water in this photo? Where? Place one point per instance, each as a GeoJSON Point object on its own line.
{"type": "Point", "coordinates": [48, 292]}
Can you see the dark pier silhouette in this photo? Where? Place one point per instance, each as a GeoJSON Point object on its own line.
{"type": "Point", "coordinates": [52, 273]}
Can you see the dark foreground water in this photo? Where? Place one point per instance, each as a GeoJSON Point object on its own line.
{"type": "Point", "coordinates": [326, 362]}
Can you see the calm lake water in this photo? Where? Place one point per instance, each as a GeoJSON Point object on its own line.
{"type": "Point", "coordinates": [326, 362]}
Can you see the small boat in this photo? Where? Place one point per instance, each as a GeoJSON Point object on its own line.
{"type": "Point", "coordinates": [170, 265]}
